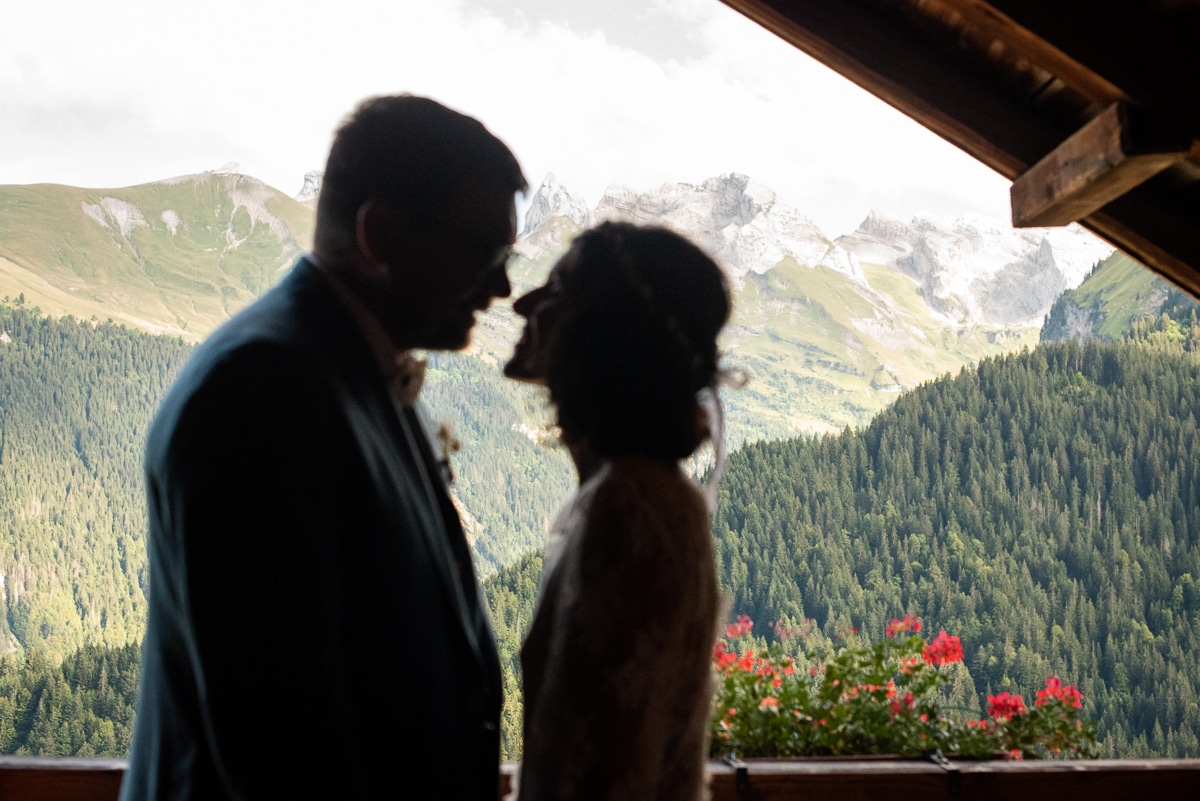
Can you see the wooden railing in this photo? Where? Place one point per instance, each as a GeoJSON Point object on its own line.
{"type": "Point", "coordinates": [846, 779]}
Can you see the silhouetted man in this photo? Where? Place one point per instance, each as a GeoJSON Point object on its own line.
{"type": "Point", "coordinates": [316, 629]}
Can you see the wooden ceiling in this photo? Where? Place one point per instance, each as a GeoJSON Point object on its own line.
{"type": "Point", "coordinates": [1090, 107]}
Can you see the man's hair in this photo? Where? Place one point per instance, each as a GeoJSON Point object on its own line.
{"type": "Point", "coordinates": [636, 340]}
{"type": "Point", "coordinates": [408, 150]}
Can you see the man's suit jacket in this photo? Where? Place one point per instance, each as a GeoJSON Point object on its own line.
{"type": "Point", "coordinates": [315, 628]}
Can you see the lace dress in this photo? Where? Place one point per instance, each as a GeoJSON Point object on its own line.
{"type": "Point", "coordinates": [617, 663]}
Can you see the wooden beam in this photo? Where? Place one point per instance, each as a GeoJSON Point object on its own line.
{"type": "Point", "coordinates": [845, 778]}
{"type": "Point", "coordinates": [873, 46]}
{"type": "Point", "coordinates": [1147, 49]}
{"type": "Point", "coordinates": [985, 17]}
{"type": "Point", "coordinates": [896, 779]}
{"type": "Point", "coordinates": [1122, 147]}
{"type": "Point", "coordinates": [60, 779]}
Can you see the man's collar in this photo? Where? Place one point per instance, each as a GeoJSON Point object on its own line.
{"type": "Point", "coordinates": [403, 372]}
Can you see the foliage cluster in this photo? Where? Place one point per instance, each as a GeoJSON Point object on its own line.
{"type": "Point", "coordinates": [500, 469]}
{"type": "Point", "coordinates": [857, 697]}
{"type": "Point", "coordinates": [75, 402]}
{"type": "Point", "coordinates": [1043, 505]}
{"type": "Point", "coordinates": [82, 705]}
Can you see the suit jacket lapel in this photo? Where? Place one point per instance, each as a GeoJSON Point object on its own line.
{"type": "Point", "coordinates": [350, 358]}
{"type": "Point", "coordinates": [447, 528]}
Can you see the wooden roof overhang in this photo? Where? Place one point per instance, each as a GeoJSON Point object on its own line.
{"type": "Point", "coordinates": [1091, 108]}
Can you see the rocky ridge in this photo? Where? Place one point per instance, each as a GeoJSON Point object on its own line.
{"type": "Point", "coordinates": [978, 271]}
{"type": "Point", "coordinates": [311, 188]}
{"type": "Point", "coordinates": [970, 270]}
{"type": "Point", "coordinates": [735, 219]}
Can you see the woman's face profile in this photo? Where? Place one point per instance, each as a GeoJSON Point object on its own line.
{"type": "Point", "coordinates": [541, 308]}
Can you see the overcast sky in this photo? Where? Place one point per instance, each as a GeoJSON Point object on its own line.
{"type": "Point", "coordinates": [638, 92]}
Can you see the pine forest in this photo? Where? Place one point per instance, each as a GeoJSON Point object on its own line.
{"type": "Point", "coordinates": [1044, 506]}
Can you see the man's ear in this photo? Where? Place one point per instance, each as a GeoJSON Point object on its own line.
{"type": "Point", "coordinates": [379, 228]}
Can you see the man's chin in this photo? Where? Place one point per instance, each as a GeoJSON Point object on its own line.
{"type": "Point", "coordinates": [449, 340]}
{"type": "Point", "coordinates": [519, 369]}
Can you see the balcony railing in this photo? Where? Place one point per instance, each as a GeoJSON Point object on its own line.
{"type": "Point", "coordinates": [843, 779]}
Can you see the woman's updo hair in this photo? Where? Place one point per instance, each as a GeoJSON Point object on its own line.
{"type": "Point", "coordinates": [635, 340]}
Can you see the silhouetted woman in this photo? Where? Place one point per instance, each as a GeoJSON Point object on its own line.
{"type": "Point", "coordinates": [617, 662]}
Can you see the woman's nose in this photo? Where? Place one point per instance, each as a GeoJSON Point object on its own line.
{"type": "Point", "coordinates": [525, 304]}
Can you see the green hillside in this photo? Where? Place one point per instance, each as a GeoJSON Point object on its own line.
{"type": "Point", "coordinates": [175, 257]}
{"type": "Point", "coordinates": [507, 483]}
{"type": "Point", "coordinates": [1043, 506]}
{"type": "Point", "coordinates": [823, 352]}
{"type": "Point", "coordinates": [75, 403]}
{"type": "Point", "coordinates": [1118, 293]}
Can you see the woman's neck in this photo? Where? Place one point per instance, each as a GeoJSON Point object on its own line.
{"type": "Point", "coordinates": [586, 462]}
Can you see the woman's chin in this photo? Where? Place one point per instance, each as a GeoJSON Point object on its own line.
{"type": "Point", "coordinates": [519, 369]}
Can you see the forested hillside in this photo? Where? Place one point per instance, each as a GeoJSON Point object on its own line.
{"type": "Point", "coordinates": [508, 478]}
{"type": "Point", "coordinates": [1043, 506]}
{"type": "Point", "coordinates": [75, 401]}
{"type": "Point", "coordinates": [82, 705]}
{"type": "Point", "coordinates": [1116, 294]}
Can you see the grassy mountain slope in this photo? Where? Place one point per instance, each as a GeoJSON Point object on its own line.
{"type": "Point", "coordinates": [1117, 294]}
{"type": "Point", "coordinates": [180, 256]}
{"type": "Point", "coordinates": [825, 352]}
{"type": "Point", "coordinates": [822, 351]}
{"type": "Point", "coordinates": [175, 257]}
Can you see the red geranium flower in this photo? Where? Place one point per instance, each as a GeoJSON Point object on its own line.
{"type": "Point", "coordinates": [723, 658]}
{"type": "Point", "coordinates": [906, 623]}
{"type": "Point", "coordinates": [944, 648]}
{"type": "Point", "coordinates": [1005, 706]}
{"type": "Point", "coordinates": [743, 626]}
{"type": "Point", "coordinates": [1055, 691]}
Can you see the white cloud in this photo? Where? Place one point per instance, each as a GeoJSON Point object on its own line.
{"type": "Point", "coordinates": [133, 91]}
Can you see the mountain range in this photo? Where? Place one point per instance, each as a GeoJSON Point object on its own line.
{"type": "Point", "coordinates": [171, 257]}
{"type": "Point", "coordinates": [828, 330]}
{"type": "Point", "coordinates": [830, 334]}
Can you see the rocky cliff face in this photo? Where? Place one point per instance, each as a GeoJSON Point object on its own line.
{"type": "Point", "coordinates": [977, 271]}
{"type": "Point", "coordinates": [311, 188]}
{"type": "Point", "coordinates": [553, 200]}
{"type": "Point", "coordinates": [739, 222]}
{"type": "Point", "coordinates": [971, 271]}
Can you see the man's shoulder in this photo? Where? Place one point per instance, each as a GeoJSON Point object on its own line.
{"type": "Point", "coordinates": [298, 314]}
{"type": "Point", "coordinates": [284, 342]}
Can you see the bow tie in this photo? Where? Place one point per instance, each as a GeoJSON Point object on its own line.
{"type": "Point", "coordinates": [407, 379]}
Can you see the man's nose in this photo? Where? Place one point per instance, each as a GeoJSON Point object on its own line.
{"type": "Point", "coordinates": [498, 285]}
